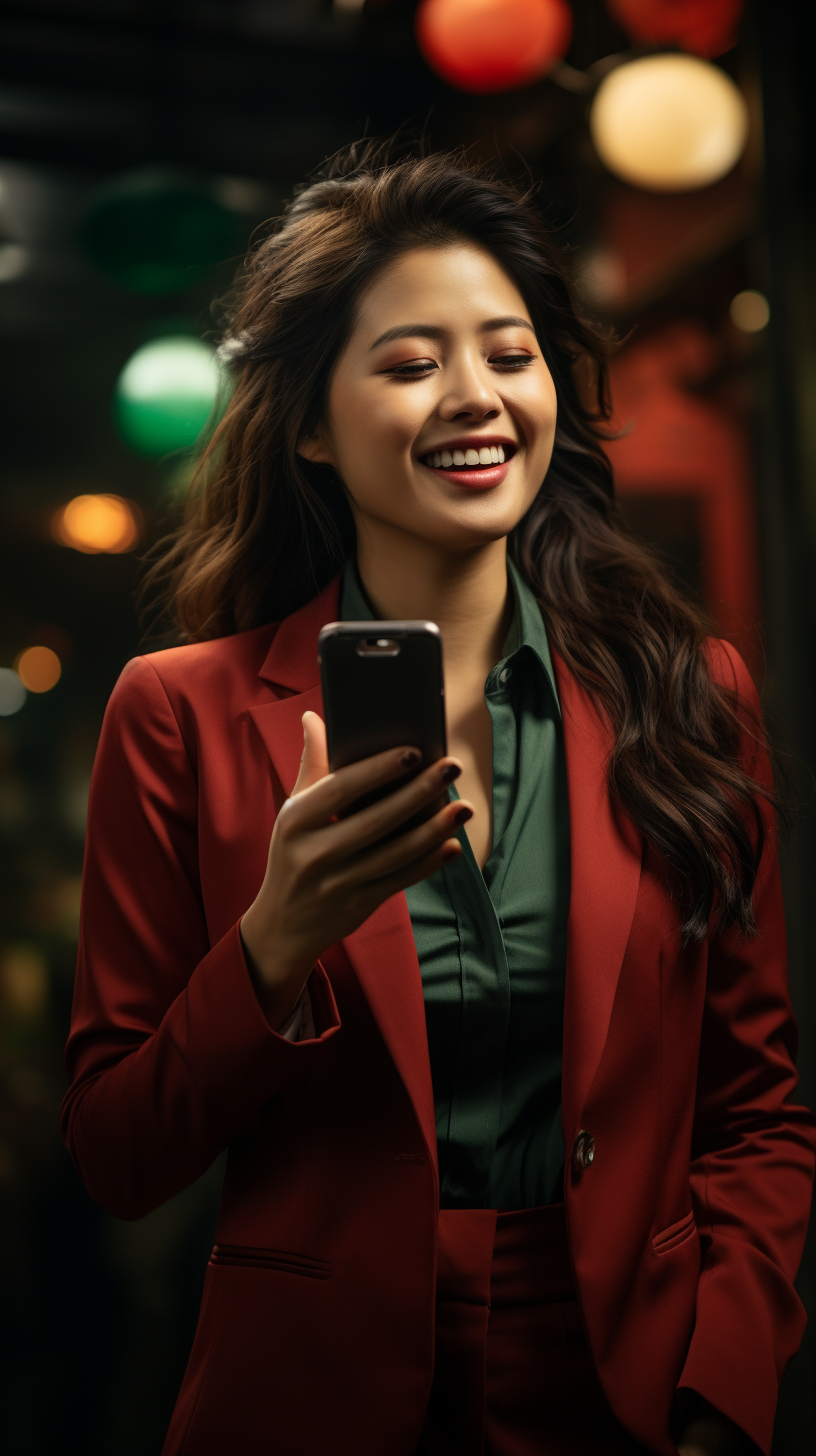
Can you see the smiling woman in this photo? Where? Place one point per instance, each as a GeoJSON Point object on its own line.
{"type": "Point", "coordinates": [505, 1074]}
{"type": "Point", "coordinates": [490, 363]}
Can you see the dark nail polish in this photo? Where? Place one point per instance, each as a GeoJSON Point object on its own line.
{"type": "Point", "coordinates": [463, 816]}
{"type": "Point", "coordinates": [410, 758]}
{"type": "Point", "coordinates": [450, 773]}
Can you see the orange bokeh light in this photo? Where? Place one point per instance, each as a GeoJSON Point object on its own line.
{"type": "Point", "coordinates": [96, 523]}
{"type": "Point", "coordinates": [38, 668]}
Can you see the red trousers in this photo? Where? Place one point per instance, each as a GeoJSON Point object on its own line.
{"type": "Point", "coordinates": [513, 1375]}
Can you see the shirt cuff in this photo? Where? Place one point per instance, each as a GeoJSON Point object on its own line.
{"type": "Point", "coordinates": [315, 1016]}
{"type": "Point", "coordinates": [300, 1025]}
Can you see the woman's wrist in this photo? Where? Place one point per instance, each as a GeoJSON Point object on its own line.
{"type": "Point", "coordinates": [278, 980]}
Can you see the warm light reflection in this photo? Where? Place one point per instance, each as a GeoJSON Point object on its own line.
{"type": "Point", "coordinates": [750, 311]}
{"type": "Point", "coordinates": [38, 668]}
{"type": "Point", "coordinates": [94, 523]}
{"type": "Point", "coordinates": [669, 123]}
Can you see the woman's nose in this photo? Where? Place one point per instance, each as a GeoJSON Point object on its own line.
{"type": "Point", "coordinates": [470, 393]}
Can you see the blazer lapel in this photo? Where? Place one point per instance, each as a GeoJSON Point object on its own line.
{"type": "Point", "coordinates": [383, 955]}
{"type": "Point", "coordinates": [605, 861]}
{"type": "Point", "coordinates": [382, 952]}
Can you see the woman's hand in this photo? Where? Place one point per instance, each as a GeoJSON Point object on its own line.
{"type": "Point", "coordinates": [326, 875]}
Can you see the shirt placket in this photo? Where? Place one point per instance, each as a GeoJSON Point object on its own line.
{"type": "Point", "coordinates": [477, 1092]}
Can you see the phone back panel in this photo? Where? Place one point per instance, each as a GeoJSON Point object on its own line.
{"type": "Point", "coordinates": [372, 702]}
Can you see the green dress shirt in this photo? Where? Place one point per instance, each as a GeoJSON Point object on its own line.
{"type": "Point", "coordinates": [492, 944]}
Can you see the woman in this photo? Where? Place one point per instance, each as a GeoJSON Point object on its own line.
{"type": "Point", "coordinates": [512, 1167]}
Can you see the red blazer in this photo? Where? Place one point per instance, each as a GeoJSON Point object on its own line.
{"type": "Point", "coordinates": [317, 1324]}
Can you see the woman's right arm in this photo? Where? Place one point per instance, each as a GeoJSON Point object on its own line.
{"type": "Point", "coordinates": [170, 1055]}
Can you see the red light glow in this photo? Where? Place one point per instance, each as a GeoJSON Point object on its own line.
{"type": "Point", "coordinates": [705, 27]}
{"type": "Point", "coordinates": [485, 46]}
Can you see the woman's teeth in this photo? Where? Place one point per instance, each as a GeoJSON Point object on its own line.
{"type": "Point", "coordinates": [445, 459]}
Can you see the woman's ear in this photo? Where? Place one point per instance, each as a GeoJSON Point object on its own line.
{"type": "Point", "coordinates": [315, 449]}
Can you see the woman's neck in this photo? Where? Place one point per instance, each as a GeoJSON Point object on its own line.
{"type": "Point", "coordinates": [465, 593]}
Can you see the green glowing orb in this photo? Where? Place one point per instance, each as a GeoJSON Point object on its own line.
{"type": "Point", "coordinates": [165, 394]}
{"type": "Point", "coordinates": [157, 231]}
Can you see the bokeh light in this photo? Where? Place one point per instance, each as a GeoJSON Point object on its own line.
{"type": "Point", "coordinates": [24, 980]}
{"type": "Point", "coordinates": [165, 394]}
{"type": "Point", "coordinates": [38, 668]}
{"type": "Point", "coordinates": [157, 231]}
{"type": "Point", "coordinates": [485, 46]}
{"type": "Point", "coordinates": [750, 311]}
{"type": "Point", "coordinates": [12, 693]}
{"type": "Point", "coordinates": [669, 123]}
{"type": "Point", "coordinates": [14, 261]}
{"type": "Point", "coordinates": [706, 27]}
{"type": "Point", "coordinates": [96, 523]}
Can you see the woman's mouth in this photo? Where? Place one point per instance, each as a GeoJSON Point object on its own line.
{"type": "Point", "coordinates": [476, 468]}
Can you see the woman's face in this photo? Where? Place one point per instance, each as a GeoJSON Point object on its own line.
{"type": "Point", "coordinates": [443, 361]}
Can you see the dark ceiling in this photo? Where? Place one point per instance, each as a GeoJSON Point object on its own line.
{"type": "Point", "coordinates": [262, 87]}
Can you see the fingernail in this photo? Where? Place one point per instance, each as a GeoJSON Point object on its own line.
{"type": "Point", "coordinates": [410, 757]}
{"type": "Point", "coordinates": [450, 772]}
{"type": "Point", "coordinates": [463, 815]}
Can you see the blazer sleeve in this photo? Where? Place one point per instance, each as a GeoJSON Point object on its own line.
{"type": "Point", "coordinates": [753, 1148]}
{"type": "Point", "coordinates": [169, 1056]}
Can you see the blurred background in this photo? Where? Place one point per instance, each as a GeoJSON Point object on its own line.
{"type": "Point", "coordinates": [141, 143]}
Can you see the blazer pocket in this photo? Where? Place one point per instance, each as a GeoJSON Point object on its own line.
{"type": "Point", "coordinates": [241, 1256]}
{"type": "Point", "coordinates": [676, 1234]}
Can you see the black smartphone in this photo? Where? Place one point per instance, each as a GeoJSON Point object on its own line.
{"type": "Point", "coordinates": [383, 686]}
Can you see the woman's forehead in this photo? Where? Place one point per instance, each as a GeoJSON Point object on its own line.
{"type": "Point", "coordinates": [448, 284]}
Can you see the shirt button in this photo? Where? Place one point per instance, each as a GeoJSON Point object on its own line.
{"type": "Point", "coordinates": [583, 1151]}
{"type": "Point", "coordinates": [505, 674]}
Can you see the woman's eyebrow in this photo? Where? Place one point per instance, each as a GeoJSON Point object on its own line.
{"type": "Point", "coordinates": [409, 331]}
{"type": "Point", "coordinates": [432, 331]}
{"type": "Point", "coordinates": [508, 322]}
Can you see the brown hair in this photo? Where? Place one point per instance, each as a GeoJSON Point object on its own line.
{"type": "Point", "coordinates": [264, 530]}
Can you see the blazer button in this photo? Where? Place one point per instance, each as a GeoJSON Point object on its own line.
{"type": "Point", "coordinates": [583, 1151]}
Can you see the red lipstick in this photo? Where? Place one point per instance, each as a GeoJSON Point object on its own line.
{"type": "Point", "coordinates": [472, 477]}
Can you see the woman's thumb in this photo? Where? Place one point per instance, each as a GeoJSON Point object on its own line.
{"type": "Point", "coordinates": [314, 763]}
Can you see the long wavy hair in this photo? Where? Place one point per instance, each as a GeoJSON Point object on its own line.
{"type": "Point", "coordinates": [264, 530]}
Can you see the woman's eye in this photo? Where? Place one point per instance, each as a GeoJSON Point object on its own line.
{"type": "Point", "coordinates": [420, 368]}
{"type": "Point", "coordinates": [414, 370]}
{"type": "Point", "coordinates": [513, 361]}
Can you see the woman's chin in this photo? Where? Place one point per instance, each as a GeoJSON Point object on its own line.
{"type": "Point", "coordinates": [473, 529]}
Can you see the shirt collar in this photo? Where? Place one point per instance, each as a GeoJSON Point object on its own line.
{"type": "Point", "coordinates": [526, 627]}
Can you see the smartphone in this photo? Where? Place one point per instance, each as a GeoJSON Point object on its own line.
{"type": "Point", "coordinates": [383, 686]}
